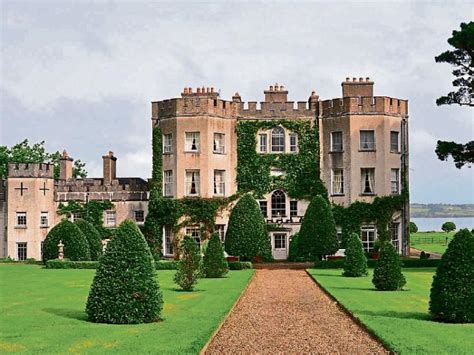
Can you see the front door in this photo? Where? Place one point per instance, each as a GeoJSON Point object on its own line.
{"type": "Point", "coordinates": [280, 246]}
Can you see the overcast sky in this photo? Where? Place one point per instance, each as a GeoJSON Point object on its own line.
{"type": "Point", "coordinates": [81, 76]}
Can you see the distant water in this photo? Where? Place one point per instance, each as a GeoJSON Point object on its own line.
{"type": "Point", "coordinates": [434, 224]}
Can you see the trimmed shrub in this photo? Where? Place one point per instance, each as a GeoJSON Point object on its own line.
{"type": "Point", "coordinates": [448, 227]}
{"type": "Point", "coordinates": [68, 264]}
{"type": "Point", "coordinates": [388, 270]}
{"type": "Point", "coordinates": [166, 264]}
{"type": "Point", "coordinates": [214, 263]}
{"type": "Point", "coordinates": [75, 243]}
{"type": "Point", "coordinates": [293, 251]}
{"type": "Point", "coordinates": [240, 265]}
{"type": "Point", "coordinates": [452, 291]}
{"type": "Point", "coordinates": [407, 263]}
{"type": "Point", "coordinates": [317, 236]}
{"type": "Point", "coordinates": [189, 266]}
{"type": "Point", "coordinates": [124, 290]}
{"type": "Point", "coordinates": [93, 238]}
{"type": "Point", "coordinates": [247, 235]}
{"type": "Point", "coordinates": [413, 227]}
{"type": "Point", "coordinates": [355, 262]}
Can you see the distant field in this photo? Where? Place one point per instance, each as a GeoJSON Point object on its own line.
{"type": "Point", "coordinates": [418, 210]}
{"type": "Point", "coordinates": [435, 242]}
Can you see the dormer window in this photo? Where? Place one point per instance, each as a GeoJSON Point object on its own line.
{"type": "Point", "coordinates": [278, 140]}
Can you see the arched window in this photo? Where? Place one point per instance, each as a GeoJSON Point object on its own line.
{"type": "Point", "coordinates": [278, 204]}
{"type": "Point", "coordinates": [278, 139]}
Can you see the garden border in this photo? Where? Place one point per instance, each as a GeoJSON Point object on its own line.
{"type": "Point", "coordinates": [343, 308]}
{"type": "Point", "coordinates": [221, 324]}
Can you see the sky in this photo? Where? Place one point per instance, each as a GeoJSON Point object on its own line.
{"type": "Point", "coordinates": [81, 75]}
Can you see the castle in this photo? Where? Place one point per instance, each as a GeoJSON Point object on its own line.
{"type": "Point", "coordinates": [363, 145]}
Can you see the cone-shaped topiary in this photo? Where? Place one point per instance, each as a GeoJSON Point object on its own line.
{"type": "Point", "coordinates": [317, 236]}
{"type": "Point", "coordinates": [214, 263]}
{"type": "Point", "coordinates": [125, 290]}
{"type": "Point", "coordinates": [75, 243]}
{"type": "Point", "coordinates": [452, 291]}
{"type": "Point", "coordinates": [388, 270]}
{"type": "Point", "coordinates": [92, 236]}
{"type": "Point", "coordinates": [293, 251]}
{"type": "Point", "coordinates": [247, 234]}
{"type": "Point", "coordinates": [189, 266]}
{"type": "Point", "coordinates": [355, 263]}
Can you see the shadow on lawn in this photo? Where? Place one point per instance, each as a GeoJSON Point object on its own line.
{"type": "Point", "coordinates": [67, 313]}
{"type": "Point", "coordinates": [393, 314]}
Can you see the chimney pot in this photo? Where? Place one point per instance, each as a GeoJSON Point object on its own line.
{"type": "Point", "coordinates": [185, 90]}
{"type": "Point", "coordinates": [367, 79]}
{"type": "Point", "coordinates": [212, 89]}
{"type": "Point", "coordinates": [190, 90]}
{"type": "Point", "coordinates": [65, 166]}
{"type": "Point", "coordinates": [348, 79]}
{"type": "Point", "coordinates": [354, 79]}
{"type": "Point", "coordinates": [198, 90]}
{"type": "Point", "coordinates": [361, 79]}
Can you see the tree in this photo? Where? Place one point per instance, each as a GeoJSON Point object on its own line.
{"type": "Point", "coordinates": [317, 236]}
{"type": "Point", "coordinates": [124, 289]}
{"type": "Point", "coordinates": [247, 235]}
{"type": "Point", "coordinates": [75, 243]}
{"type": "Point", "coordinates": [448, 227]}
{"type": "Point", "coordinates": [189, 266]}
{"type": "Point", "coordinates": [388, 270]}
{"type": "Point", "coordinates": [92, 236]}
{"type": "Point", "coordinates": [293, 252]}
{"type": "Point", "coordinates": [214, 264]}
{"type": "Point", "coordinates": [355, 262]}
{"type": "Point", "coordinates": [452, 291]}
{"type": "Point", "coordinates": [462, 59]}
{"type": "Point", "coordinates": [413, 227]}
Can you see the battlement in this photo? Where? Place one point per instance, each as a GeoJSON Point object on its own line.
{"type": "Point", "coordinates": [381, 105]}
{"type": "Point", "coordinates": [31, 170]}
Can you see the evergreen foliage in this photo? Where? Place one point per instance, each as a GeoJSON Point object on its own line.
{"type": "Point", "coordinates": [355, 262]}
{"type": "Point", "coordinates": [413, 227]}
{"type": "Point", "coordinates": [214, 263]}
{"type": "Point", "coordinates": [317, 236]}
{"type": "Point", "coordinates": [452, 291]}
{"type": "Point", "coordinates": [124, 290]}
{"type": "Point", "coordinates": [388, 270]}
{"type": "Point", "coordinates": [92, 236]}
{"type": "Point", "coordinates": [189, 267]}
{"type": "Point", "coordinates": [293, 251]}
{"type": "Point", "coordinates": [75, 243]}
{"type": "Point", "coordinates": [247, 235]}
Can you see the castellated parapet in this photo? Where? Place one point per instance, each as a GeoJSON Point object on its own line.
{"type": "Point", "coordinates": [364, 105]}
{"type": "Point", "coordinates": [31, 170]}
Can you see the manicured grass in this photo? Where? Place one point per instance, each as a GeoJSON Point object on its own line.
{"type": "Point", "coordinates": [42, 311]}
{"type": "Point", "coordinates": [400, 318]}
{"type": "Point", "coordinates": [431, 241]}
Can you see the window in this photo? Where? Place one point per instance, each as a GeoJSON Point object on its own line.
{"type": "Point", "coordinates": [293, 142]}
{"type": "Point", "coordinates": [219, 182]}
{"type": "Point", "coordinates": [21, 219]}
{"type": "Point", "coordinates": [168, 240]}
{"type": "Point", "coordinates": [339, 233]}
{"type": "Point", "coordinates": [220, 230]}
{"type": "Point", "coordinates": [278, 204]}
{"type": "Point", "coordinates": [139, 216]}
{"type": "Point", "coordinates": [110, 219]}
{"type": "Point", "coordinates": [337, 182]}
{"type": "Point", "coordinates": [167, 143]}
{"type": "Point", "coordinates": [44, 219]}
{"type": "Point", "coordinates": [76, 216]}
{"type": "Point", "coordinates": [368, 180]}
{"type": "Point", "coordinates": [263, 143]}
{"type": "Point", "coordinates": [264, 208]}
{"type": "Point", "coordinates": [168, 182]}
{"type": "Point", "coordinates": [395, 181]}
{"type": "Point", "coordinates": [21, 251]}
{"type": "Point", "coordinates": [195, 233]}
{"type": "Point", "coordinates": [192, 182]}
{"type": "Point", "coordinates": [279, 240]}
{"type": "Point", "coordinates": [192, 142]}
{"type": "Point", "coordinates": [277, 172]}
{"type": "Point", "coordinates": [394, 229]}
{"type": "Point", "coordinates": [278, 139]}
{"type": "Point", "coordinates": [219, 139]}
{"type": "Point", "coordinates": [336, 141]}
{"type": "Point", "coordinates": [394, 142]}
{"type": "Point", "coordinates": [367, 140]}
{"type": "Point", "coordinates": [293, 208]}
{"type": "Point", "coordinates": [368, 237]}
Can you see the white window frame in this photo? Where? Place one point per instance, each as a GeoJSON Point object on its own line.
{"type": "Point", "coordinates": [188, 180]}
{"type": "Point", "coordinates": [276, 207]}
{"type": "Point", "coordinates": [395, 181]}
{"type": "Point", "coordinates": [263, 142]}
{"type": "Point", "coordinates": [21, 220]}
{"type": "Point", "coordinates": [192, 142]}
{"type": "Point", "coordinates": [293, 208]}
{"type": "Point", "coordinates": [395, 235]}
{"type": "Point", "coordinates": [340, 146]}
{"type": "Point", "coordinates": [364, 178]}
{"type": "Point", "coordinates": [168, 240]}
{"type": "Point", "coordinates": [220, 230]}
{"type": "Point", "coordinates": [397, 150]}
{"type": "Point", "coordinates": [368, 235]}
{"type": "Point", "coordinates": [142, 219]}
{"type": "Point", "coordinates": [337, 187]}
{"type": "Point", "coordinates": [110, 218]}
{"type": "Point", "coordinates": [281, 241]}
{"type": "Point", "coordinates": [168, 183]}
{"type": "Point", "coordinates": [293, 142]}
{"type": "Point", "coordinates": [219, 143]}
{"type": "Point", "coordinates": [263, 204]}
{"type": "Point", "coordinates": [44, 219]}
{"type": "Point", "coordinates": [219, 182]}
{"type": "Point", "coordinates": [366, 145]}
{"type": "Point", "coordinates": [195, 233]}
{"type": "Point", "coordinates": [24, 247]}
{"type": "Point", "coordinates": [167, 143]}
{"type": "Point", "coordinates": [278, 133]}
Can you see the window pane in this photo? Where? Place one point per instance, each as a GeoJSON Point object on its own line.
{"type": "Point", "coordinates": [195, 233]}
{"type": "Point", "coordinates": [167, 143]}
{"type": "Point", "coordinates": [139, 216]}
{"type": "Point", "coordinates": [192, 182]}
{"type": "Point", "coordinates": [293, 208]}
{"type": "Point", "coordinates": [278, 204]}
{"type": "Point", "coordinates": [168, 182]}
{"type": "Point", "coordinates": [263, 143]}
{"type": "Point", "coordinates": [395, 181]}
{"type": "Point", "coordinates": [264, 208]}
{"type": "Point", "coordinates": [44, 219]}
{"type": "Point", "coordinates": [192, 142]}
{"type": "Point", "coordinates": [220, 230]}
{"type": "Point", "coordinates": [367, 140]}
{"type": "Point", "coordinates": [336, 141]}
{"type": "Point", "coordinates": [338, 182]}
{"type": "Point", "coordinates": [293, 142]}
{"type": "Point", "coordinates": [168, 240]}
{"type": "Point", "coordinates": [278, 139]}
{"type": "Point", "coordinates": [218, 143]}
{"type": "Point", "coordinates": [219, 182]}
{"type": "Point", "coordinates": [279, 241]}
{"type": "Point", "coordinates": [368, 180]}
{"type": "Point", "coordinates": [21, 251]}
{"type": "Point", "coordinates": [21, 219]}
{"type": "Point", "coordinates": [394, 141]}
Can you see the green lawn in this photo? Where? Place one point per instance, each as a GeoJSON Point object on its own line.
{"type": "Point", "coordinates": [400, 318]}
{"type": "Point", "coordinates": [431, 241]}
{"type": "Point", "coordinates": [42, 311]}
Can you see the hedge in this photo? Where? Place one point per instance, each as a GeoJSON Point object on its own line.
{"type": "Point", "coordinates": [69, 264]}
{"type": "Point", "coordinates": [75, 243]}
{"type": "Point", "coordinates": [240, 265]}
{"type": "Point", "coordinates": [166, 264]}
{"type": "Point", "coordinates": [407, 263]}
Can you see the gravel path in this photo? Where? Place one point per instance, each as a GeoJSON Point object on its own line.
{"type": "Point", "coordinates": [284, 311]}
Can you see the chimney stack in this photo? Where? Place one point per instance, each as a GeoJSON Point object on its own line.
{"type": "Point", "coordinates": [276, 93]}
{"type": "Point", "coordinates": [354, 88]}
{"type": "Point", "coordinates": [110, 167]}
{"type": "Point", "coordinates": [65, 166]}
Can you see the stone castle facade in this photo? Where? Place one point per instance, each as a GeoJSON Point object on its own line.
{"type": "Point", "coordinates": [363, 154]}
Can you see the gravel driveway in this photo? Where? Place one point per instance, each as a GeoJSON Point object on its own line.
{"type": "Point", "coordinates": [284, 311]}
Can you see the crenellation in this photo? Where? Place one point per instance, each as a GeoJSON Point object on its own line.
{"type": "Point", "coordinates": [364, 105]}
{"type": "Point", "coordinates": [31, 170]}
